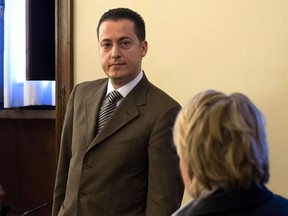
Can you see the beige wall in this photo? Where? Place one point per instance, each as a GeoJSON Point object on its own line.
{"type": "Point", "coordinates": [227, 45]}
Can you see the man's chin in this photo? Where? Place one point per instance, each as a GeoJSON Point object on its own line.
{"type": "Point", "coordinates": [115, 75]}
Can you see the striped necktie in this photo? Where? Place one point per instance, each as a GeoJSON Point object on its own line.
{"type": "Point", "coordinates": [107, 110]}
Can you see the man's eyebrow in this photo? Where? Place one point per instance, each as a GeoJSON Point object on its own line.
{"type": "Point", "coordinates": [120, 39]}
{"type": "Point", "coordinates": [105, 40]}
{"type": "Point", "coordinates": [123, 38]}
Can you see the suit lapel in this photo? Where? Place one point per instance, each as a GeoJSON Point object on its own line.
{"type": "Point", "coordinates": [125, 112]}
{"type": "Point", "coordinates": [119, 119]}
{"type": "Point", "coordinates": [92, 107]}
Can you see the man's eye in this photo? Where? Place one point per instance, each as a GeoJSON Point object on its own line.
{"type": "Point", "coordinates": [125, 44]}
{"type": "Point", "coordinates": [106, 45]}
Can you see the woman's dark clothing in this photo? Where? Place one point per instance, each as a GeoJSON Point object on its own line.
{"type": "Point", "coordinates": [256, 201]}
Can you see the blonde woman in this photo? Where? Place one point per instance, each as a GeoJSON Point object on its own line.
{"type": "Point", "coordinates": [222, 145]}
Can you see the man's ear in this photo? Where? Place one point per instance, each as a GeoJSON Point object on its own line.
{"type": "Point", "coordinates": [144, 47]}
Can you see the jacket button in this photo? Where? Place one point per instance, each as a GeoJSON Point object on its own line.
{"type": "Point", "coordinates": [87, 166]}
{"type": "Point", "coordinates": [81, 193]}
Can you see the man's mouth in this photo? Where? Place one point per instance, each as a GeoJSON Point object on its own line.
{"type": "Point", "coordinates": [117, 64]}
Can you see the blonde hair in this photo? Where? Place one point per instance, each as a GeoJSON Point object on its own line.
{"type": "Point", "coordinates": [223, 140]}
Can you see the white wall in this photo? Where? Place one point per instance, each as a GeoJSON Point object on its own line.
{"type": "Point", "coordinates": [227, 45]}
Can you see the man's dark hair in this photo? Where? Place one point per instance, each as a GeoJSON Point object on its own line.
{"type": "Point", "coordinates": [125, 13]}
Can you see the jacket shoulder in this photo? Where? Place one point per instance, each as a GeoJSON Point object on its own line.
{"type": "Point", "coordinates": [156, 93]}
{"type": "Point", "coordinates": [89, 84]}
{"type": "Point", "coordinates": [278, 205]}
{"type": "Point", "coordinates": [87, 87]}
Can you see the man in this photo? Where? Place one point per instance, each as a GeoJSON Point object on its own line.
{"type": "Point", "coordinates": [128, 166]}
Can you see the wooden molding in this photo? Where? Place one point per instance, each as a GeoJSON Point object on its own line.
{"type": "Point", "coordinates": [27, 114]}
{"type": "Point", "coordinates": [63, 60]}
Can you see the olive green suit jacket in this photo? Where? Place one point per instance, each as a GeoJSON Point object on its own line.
{"type": "Point", "coordinates": [130, 167]}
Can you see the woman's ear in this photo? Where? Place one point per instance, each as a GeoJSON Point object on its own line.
{"type": "Point", "coordinates": [185, 172]}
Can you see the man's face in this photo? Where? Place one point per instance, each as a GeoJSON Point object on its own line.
{"type": "Point", "coordinates": [120, 51]}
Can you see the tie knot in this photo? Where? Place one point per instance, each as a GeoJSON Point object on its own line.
{"type": "Point", "coordinates": [114, 96]}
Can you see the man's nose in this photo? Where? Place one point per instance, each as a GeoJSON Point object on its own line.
{"type": "Point", "coordinates": [115, 52]}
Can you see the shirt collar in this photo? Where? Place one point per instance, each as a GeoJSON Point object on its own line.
{"type": "Point", "coordinates": [124, 90]}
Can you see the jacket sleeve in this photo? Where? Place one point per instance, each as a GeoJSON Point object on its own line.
{"type": "Point", "coordinates": [64, 158]}
{"type": "Point", "coordinates": [165, 186]}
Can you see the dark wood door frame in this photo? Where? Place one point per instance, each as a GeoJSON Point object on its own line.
{"type": "Point", "coordinates": [63, 61]}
